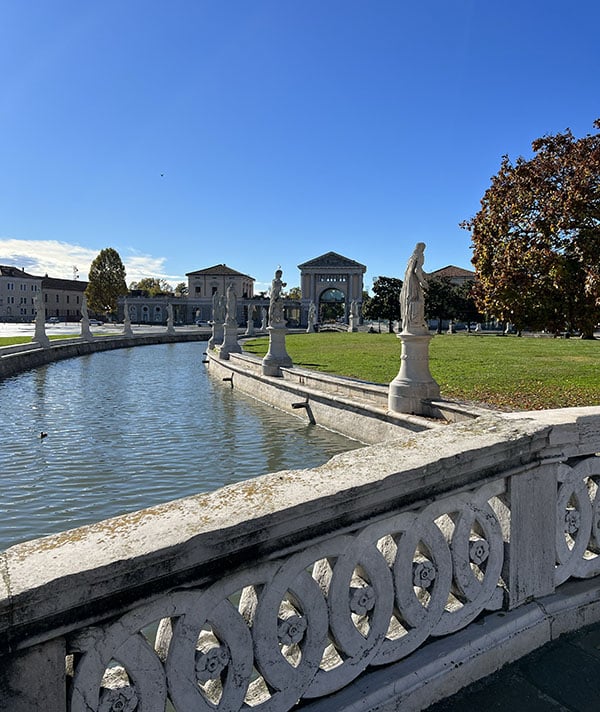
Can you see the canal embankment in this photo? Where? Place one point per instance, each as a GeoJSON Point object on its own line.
{"type": "Point", "coordinates": [22, 357]}
{"type": "Point", "coordinates": [354, 408]}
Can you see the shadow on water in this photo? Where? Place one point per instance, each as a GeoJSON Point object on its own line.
{"type": "Point", "coordinates": [130, 428]}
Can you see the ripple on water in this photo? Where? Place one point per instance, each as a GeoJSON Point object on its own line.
{"type": "Point", "coordinates": [131, 428]}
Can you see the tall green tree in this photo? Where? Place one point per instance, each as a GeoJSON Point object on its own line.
{"type": "Point", "coordinates": [106, 282]}
{"type": "Point", "coordinates": [536, 238]}
{"type": "Point", "coordinates": [385, 302]}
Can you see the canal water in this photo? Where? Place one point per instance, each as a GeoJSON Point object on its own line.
{"type": "Point", "coordinates": [130, 428]}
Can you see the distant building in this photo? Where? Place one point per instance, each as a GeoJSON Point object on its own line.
{"type": "Point", "coordinates": [63, 297]}
{"type": "Point", "coordinates": [198, 304]}
{"type": "Point", "coordinates": [17, 294]}
{"type": "Point", "coordinates": [203, 283]}
{"type": "Point", "coordinates": [18, 289]}
{"type": "Point", "coordinates": [329, 281]}
{"type": "Point", "coordinates": [456, 275]}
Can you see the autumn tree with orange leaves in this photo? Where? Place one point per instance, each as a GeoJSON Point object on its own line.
{"type": "Point", "coordinates": [536, 238]}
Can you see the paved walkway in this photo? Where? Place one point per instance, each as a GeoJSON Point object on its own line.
{"type": "Point", "coordinates": [562, 676]}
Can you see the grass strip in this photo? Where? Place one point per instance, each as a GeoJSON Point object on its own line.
{"type": "Point", "coordinates": [505, 372]}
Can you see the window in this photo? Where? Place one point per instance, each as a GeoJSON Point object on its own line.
{"type": "Point", "coordinates": [67, 300]}
{"type": "Point", "coordinates": [45, 297]}
{"type": "Point", "coordinates": [10, 285]}
{"type": "Point", "coordinates": [57, 298]}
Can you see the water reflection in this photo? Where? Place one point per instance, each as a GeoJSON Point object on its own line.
{"type": "Point", "coordinates": [131, 428]}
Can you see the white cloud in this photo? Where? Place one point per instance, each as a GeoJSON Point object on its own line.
{"type": "Point", "coordinates": [58, 259]}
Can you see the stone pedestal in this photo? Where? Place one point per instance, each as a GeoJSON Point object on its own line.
{"type": "Point", "coordinates": [217, 335]}
{"type": "Point", "coordinates": [40, 335]}
{"type": "Point", "coordinates": [277, 356]}
{"type": "Point", "coordinates": [250, 327]}
{"type": "Point", "coordinates": [86, 333]}
{"type": "Point", "coordinates": [414, 381]}
{"type": "Point", "coordinates": [230, 343]}
{"type": "Point", "coordinates": [353, 325]}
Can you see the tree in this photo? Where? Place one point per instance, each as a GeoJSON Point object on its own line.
{"type": "Point", "coordinates": [153, 286]}
{"type": "Point", "coordinates": [106, 282]}
{"type": "Point", "coordinates": [466, 307]}
{"type": "Point", "coordinates": [385, 302]}
{"type": "Point", "coordinates": [181, 289]}
{"type": "Point", "coordinates": [536, 238]}
{"type": "Point", "coordinates": [441, 300]}
{"type": "Point", "coordinates": [294, 293]}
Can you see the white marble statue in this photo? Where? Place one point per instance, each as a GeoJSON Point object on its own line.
{"type": "Point", "coordinates": [276, 302]}
{"type": "Point", "coordinates": [84, 309]}
{"type": "Point", "coordinates": [40, 322]}
{"type": "Point", "coordinates": [86, 332]}
{"type": "Point", "coordinates": [311, 317]}
{"type": "Point", "coordinates": [170, 319]}
{"type": "Point", "coordinates": [250, 322]}
{"type": "Point", "coordinates": [231, 304]}
{"type": "Point", "coordinates": [218, 308]}
{"type": "Point", "coordinates": [127, 331]}
{"type": "Point", "coordinates": [412, 294]}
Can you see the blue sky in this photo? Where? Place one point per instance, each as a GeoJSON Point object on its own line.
{"type": "Point", "coordinates": [263, 133]}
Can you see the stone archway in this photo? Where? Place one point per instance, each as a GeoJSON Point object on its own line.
{"type": "Point", "coordinates": [331, 305]}
{"type": "Point", "coordinates": [328, 275]}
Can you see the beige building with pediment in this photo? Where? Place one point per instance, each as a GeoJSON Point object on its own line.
{"type": "Point", "coordinates": [332, 282]}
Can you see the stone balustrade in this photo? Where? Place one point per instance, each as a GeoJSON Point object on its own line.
{"type": "Point", "coordinates": [383, 580]}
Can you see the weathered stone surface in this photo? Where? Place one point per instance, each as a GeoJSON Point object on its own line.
{"type": "Point", "coordinates": [323, 557]}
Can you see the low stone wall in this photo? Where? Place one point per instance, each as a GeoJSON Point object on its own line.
{"type": "Point", "coordinates": [386, 579]}
{"type": "Point", "coordinates": [354, 408]}
{"type": "Point", "coordinates": [15, 359]}
{"type": "Point", "coordinates": [325, 401]}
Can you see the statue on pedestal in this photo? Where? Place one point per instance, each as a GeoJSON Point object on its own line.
{"type": "Point", "coordinates": [40, 325]}
{"type": "Point", "coordinates": [250, 322]}
{"type": "Point", "coordinates": [170, 319]}
{"type": "Point", "coordinates": [127, 331]}
{"type": "Point", "coordinates": [414, 387]}
{"type": "Point", "coordinates": [231, 304]}
{"type": "Point", "coordinates": [311, 317]}
{"type": "Point", "coordinates": [85, 320]}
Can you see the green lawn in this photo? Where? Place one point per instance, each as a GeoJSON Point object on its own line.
{"type": "Point", "coordinates": [12, 340]}
{"type": "Point", "coordinates": [502, 371]}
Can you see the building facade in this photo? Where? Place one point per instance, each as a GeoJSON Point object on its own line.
{"type": "Point", "coordinates": [18, 290]}
{"type": "Point", "coordinates": [456, 275]}
{"type": "Point", "coordinates": [62, 298]}
{"type": "Point", "coordinates": [332, 282]}
{"type": "Point", "coordinates": [198, 304]}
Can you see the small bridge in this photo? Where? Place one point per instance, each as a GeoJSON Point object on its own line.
{"type": "Point", "coordinates": [333, 327]}
{"type": "Point", "coordinates": [386, 579]}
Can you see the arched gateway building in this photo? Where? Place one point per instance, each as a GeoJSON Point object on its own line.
{"type": "Point", "coordinates": [332, 282]}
